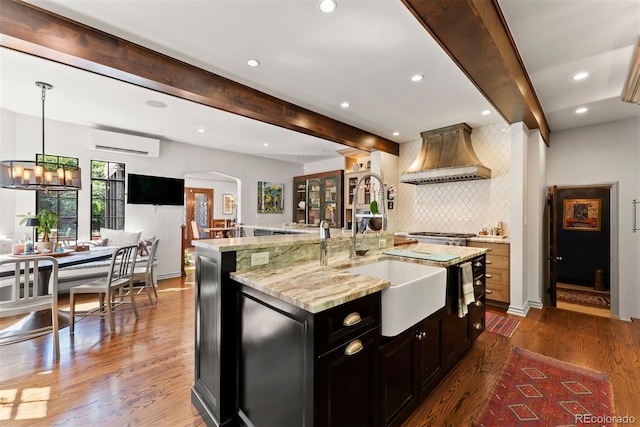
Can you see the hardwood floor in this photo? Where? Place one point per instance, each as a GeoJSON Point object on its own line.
{"type": "Point", "coordinates": [607, 345]}
{"type": "Point", "coordinates": [580, 308]}
{"type": "Point", "coordinates": [141, 376]}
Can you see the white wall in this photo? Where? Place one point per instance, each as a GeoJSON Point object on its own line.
{"type": "Point", "coordinates": [324, 166]}
{"type": "Point", "coordinates": [175, 160]}
{"type": "Point", "coordinates": [7, 151]}
{"type": "Point", "coordinates": [606, 153]}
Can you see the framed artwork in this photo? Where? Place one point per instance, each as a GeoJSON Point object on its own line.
{"type": "Point", "coordinates": [227, 204]}
{"type": "Point", "coordinates": [270, 197]}
{"type": "Point", "coordinates": [581, 214]}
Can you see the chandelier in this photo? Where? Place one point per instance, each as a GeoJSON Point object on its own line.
{"type": "Point", "coordinates": [45, 173]}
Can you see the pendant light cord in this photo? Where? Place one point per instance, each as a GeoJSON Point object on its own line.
{"type": "Point", "coordinates": [44, 87]}
{"type": "Point", "coordinates": [44, 95]}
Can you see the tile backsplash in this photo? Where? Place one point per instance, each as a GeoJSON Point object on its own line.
{"type": "Point", "coordinates": [460, 207]}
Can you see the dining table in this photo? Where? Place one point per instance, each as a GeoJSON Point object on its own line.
{"type": "Point", "coordinates": [65, 259]}
{"type": "Point", "coordinates": [225, 231]}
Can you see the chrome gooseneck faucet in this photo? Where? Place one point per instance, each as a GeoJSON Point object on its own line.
{"type": "Point", "coordinates": [354, 230]}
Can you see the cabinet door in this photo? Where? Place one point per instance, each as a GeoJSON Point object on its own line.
{"type": "Point", "coordinates": [314, 192]}
{"type": "Point", "coordinates": [347, 384]}
{"type": "Point", "coordinates": [398, 378]}
{"type": "Point", "coordinates": [330, 197]}
{"type": "Point", "coordinates": [457, 332]}
{"type": "Point", "coordinates": [430, 362]}
{"type": "Point", "coordinates": [300, 201]}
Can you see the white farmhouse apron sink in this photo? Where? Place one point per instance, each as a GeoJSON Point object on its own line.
{"type": "Point", "coordinates": [416, 292]}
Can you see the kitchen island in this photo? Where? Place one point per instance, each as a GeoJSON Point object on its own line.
{"type": "Point", "coordinates": [296, 343]}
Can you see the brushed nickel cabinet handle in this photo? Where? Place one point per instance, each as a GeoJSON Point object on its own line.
{"type": "Point", "coordinates": [477, 264]}
{"type": "Point", "coordinates": [352, 319]}
{"type": "Point", "coordinates": [489, 262]}
{"type": "Point", "coordinates": [488, 291]}
{"type": "Point", "coordinates": [478, 282]}
{"type": "Point", "coordinates": [354, 347]}
{"type": "Point", "coordinates": [488, 276]}
{"type": "Point", "coordinates": [477, 326]}
{"type": "Point", "coordinates": [478, 303]}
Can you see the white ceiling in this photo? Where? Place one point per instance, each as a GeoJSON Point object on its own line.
{"type": "Point", "coordinates": [364, 53]}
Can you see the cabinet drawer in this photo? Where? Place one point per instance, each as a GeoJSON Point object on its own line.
{"type": "Point", "coordinates": [494, 261]}
{"type": "Point", "coordinates": [495, 248]}
{"type": "Point", "coordinates": [344, 322]}
{"type": "Point", "coordinates": [477, 316]}
{"type": "Point", "coordinates": [478, 264]}
{"type": "Point", "coordinates": [497, 276]}
{"type": "Point", "coordinates": [498, 293]}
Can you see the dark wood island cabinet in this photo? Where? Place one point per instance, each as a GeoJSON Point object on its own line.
{"type": "Point", "coordinates": [263, 361]}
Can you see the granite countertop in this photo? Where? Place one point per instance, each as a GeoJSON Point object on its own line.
{"type": "Point", "coordinates": [239, 243]}
{"type": "Point", "coordinates": [315, 288]}
{"type": "Point", "coordinates": [490, 239]}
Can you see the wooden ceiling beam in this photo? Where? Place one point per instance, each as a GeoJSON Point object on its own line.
{"type": "Point", "coordinates": [34, 31]}
{"type": "Point", "coordinates": [475, 35]}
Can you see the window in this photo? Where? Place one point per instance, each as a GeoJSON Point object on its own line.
{"type": "Point", "coordinates": [63, 203]}
{"type": "Point", "coordinates": [107, 196]}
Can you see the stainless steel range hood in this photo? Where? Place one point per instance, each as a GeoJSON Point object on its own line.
{"type": "Point", "coordinates": [446, 155]}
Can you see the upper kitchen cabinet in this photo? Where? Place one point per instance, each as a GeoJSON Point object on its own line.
{"type": "Point", "coordinates": [318, 197]}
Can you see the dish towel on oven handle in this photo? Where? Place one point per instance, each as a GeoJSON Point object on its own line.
{"type": "Point", "coordinates": [465, 292]}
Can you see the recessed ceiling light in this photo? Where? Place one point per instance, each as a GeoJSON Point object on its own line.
{"type": "Point", "coordinates": [486, 112]}
{"type": "Point", "coordinates": [345, 105]}
{"type": "Point", "coordinates": [201, 130]}
{"type": "Point", "coordinates": [396, 133]}
{"type": "Point", "coordinates": [156, 104]}
{"type": "Point", "coordinates": [253, 62]}
{"type": "Point", "coordinates": [581, 110]}
{"type": "Point", "coordinates": [581, 75]}
{"type": "Point", "coordinates": [328, 6]}
{"type": "Point", "coordinates": [417, 78]}
{"type": "Point", "coordinates": [266, 144]}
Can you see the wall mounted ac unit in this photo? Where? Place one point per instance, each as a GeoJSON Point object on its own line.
{"type": "Point", "coordinates": [122, 143]}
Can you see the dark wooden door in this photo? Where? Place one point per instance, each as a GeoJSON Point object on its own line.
{"type": "Point", "coordinates": [430, 362]}
{"type": "Point", "coordinates": [552, 244]}
{"type": "Point", "coordinates": [399, 378]}
{"type": "Point", "coordinates": [457, 331]}
{"type": "Point", "coordinates": [347, 384]}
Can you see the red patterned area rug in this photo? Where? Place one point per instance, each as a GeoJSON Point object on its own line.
{"type": "Point", "coordinates": [500, 325]}
{"type": "Point", "coordinates": [583, 297]}
{"type": "Point", "coordinates": [535, 390]}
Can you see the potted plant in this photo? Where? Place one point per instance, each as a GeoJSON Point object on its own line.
{"type": "Point", "coordinates": [374, 223]}
{"type": "Point", "coordinates": [47, 221]}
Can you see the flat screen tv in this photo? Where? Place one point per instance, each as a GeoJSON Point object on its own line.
{"type": "Point", "coordinates": [154, 190]}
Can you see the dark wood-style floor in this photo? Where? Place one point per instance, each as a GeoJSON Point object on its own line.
{"type": "Point", "coordinates": [141, 376]}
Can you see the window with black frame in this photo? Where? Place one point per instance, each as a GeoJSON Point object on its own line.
{"type": "Point", "coordinates": [62, 203]}
{"type": "Point", "coordinates": [107, 196]}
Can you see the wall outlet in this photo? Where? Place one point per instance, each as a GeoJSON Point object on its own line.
{"type": "Point", "coordinates": [260, 258]}
{"type": "Point", "coordinates": [382, 243]}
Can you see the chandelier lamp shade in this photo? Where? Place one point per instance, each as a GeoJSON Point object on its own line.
{"type": "Point", "coordinates": [46, 173]}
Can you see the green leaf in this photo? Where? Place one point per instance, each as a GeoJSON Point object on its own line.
{"type": "Point", "coordinates": [374, 207]}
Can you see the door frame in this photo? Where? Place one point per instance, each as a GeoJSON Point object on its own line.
{"type": "Point", "coordinates": [613, 239]}
{"type": "Point", "coordinates": [189, 209]}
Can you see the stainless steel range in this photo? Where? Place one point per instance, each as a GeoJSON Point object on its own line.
{"type": "Point", "coordinates": [436, 238]}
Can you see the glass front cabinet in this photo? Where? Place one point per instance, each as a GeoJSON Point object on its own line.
{"type": "Point", "coordinates": [318, 197]}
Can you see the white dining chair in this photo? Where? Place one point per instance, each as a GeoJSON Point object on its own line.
{"type": "Point", "coordinates": [143, 275]}
{"type": "Point", "coordinates": [119, 278]}
{"type": "Point", "coordinates": [32, 287]}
